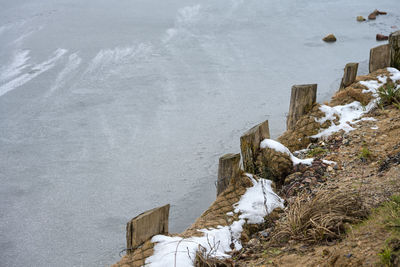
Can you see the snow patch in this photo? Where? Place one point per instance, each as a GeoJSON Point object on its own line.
{"type": "Point", "coordinates": [347, 115]}
{"type": "Point", "coordinates": [272, 144]}
{"type": "Point", "coordinates": [255, 203]}
{"type": "Point", "coordinates": [350, 114]}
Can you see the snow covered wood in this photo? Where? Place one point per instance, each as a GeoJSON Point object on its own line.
{"type": "Point", "coordinates": [228, 169]}
{"type": "Point", "coordinates": [146, 225]}
{"type": "Point", "coordinates": [379, 57]}
{"type": "Point", "coordinates": [301, 101]}
{"type": "Point", "coordinates": [394, 42]}
{"type": "Point", "coordinates": [349, 76]}
{"type": "Point", "coordinates": [250, 145]}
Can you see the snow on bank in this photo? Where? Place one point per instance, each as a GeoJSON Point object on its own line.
{"type": "Point", "coordinates": [350, 114]}
{"type": "Point", "coordinates": [272, 144]}
{"type": "Point", "coordinates": [329, 162]}
{"type": "Point", "coordinates": [258, 201]}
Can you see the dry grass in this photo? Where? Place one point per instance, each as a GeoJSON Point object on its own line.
{"type": "Point", "coordinates": [321, 218]}
{"type": "Point", "coordinates": [203, 259]}
{"type": "Point", "coordinates": [351, 94]}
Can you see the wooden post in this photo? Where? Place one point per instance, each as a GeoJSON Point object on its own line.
{"type": "Point", "coordinates": [228, 169]}
{"type": "Point", "coordinates": [349, 76]}
{"type": "Point", "coordinates": [146, 225]}
{"type": "Point", "coordinates": [379, 57]}
{"type": "Point", "coordinates": [394, 42]}
{"type": "Point", "coordinates": [302, 99]}
{"type": "Point", "coordinates": [250, 145]}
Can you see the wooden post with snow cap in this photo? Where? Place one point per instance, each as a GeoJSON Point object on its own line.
{"type": "Point", "coordinates": [145, 226]}
{"type": "Point", "coordinates": [302, 99]}
{"type": "Point", "coordinates": [250, 145]}
{"type": "Point", "coordinates": [228, 169]}
{"type": "Point", "coordinates": [379, 57]}
{"type": "Point", "coordinates": [349, 76]}
{"type": "Point", "coordinates": [394, 42]}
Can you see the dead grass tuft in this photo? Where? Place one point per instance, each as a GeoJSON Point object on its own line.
{"type": "Point", "coordinates": [321, 218]}
{"type": "Point", "coordinates": [203, 259]}
{"type": "Point", "coordinates": [351, 94]}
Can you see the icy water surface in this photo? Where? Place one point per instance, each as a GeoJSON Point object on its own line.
{"type": "Point", "coordinates": [110, 108]}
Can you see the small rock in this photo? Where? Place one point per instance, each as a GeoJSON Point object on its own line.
{"type": "Point", "coordinates": [329, 169]}
{"type": "Point", "coordinates": [329, 38]}
{"type": "Point", "coordinates": [377, 12]}
{"type": "Point", "coordinates": [360, 18]}
{"type": "Point", "coordinates": [336, 167]}
{"type": "Point", "coordinates": [349, 255]}
{"type": "Point", "coordinates": [253, 242]}
{"type": "Point", "coordinates": [372, 16]}
{"type": "Point", "coordinates": [381, 37]}
{"type": "Point", "coordinates": [265, 233]}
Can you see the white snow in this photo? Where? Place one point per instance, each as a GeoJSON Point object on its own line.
{"type": "Point", "coordinates": [301, 151]}
{"type": "Point", "coordinates": [350, 114]}
{"type": "Point", "coordinates": [272, 144]}
{"type": "Point", "coordinates": [346, 113]}
{"type": "Point", "coordinates": [180, 252]}
{"type": "Point", "coordinates": [251, 205]}
{"type": "Point", "coordinates": [269, 143]}
{"type": "Point", "coordinates": [329, 162]}
{"type": "Point", "coordinates": [394, 74]}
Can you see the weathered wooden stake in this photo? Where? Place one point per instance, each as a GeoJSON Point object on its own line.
{"type": "Point", "coordinates": [228, 169]}
{"type": "Point", "coordinates": [250, 145]}
{"type": "Point", "coordinates": [394, 42]}
{"type": "Point", "coordinates": [379, 57]}
{"type": "Point", "coordinates": [349, 76]}
{"type": "Point", "coordinates": [302, 99]}
{"type": "Point", "coordinates": [146, 225]}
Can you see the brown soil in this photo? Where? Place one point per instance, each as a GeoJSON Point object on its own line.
{"type": "Point", "coordinates": [374, 178]}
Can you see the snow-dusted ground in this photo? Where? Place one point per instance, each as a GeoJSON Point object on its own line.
{"type": "Point", "coordinates": [258, 201]}
{"type": "Point", "coordinates": [109, 108]}
{"type": "Point", "coordinates": [351, 113]}
{"type": "Point", "coordinates": [272, 144]}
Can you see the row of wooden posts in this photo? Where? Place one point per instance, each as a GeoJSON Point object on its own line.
{"type": "Point", "coordinates": [303, 97]}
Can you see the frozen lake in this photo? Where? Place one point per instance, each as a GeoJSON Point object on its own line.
{"type": "Point", "coordinates": [110, 108]}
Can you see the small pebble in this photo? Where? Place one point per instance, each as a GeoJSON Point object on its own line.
{"type": "Point", "coordinates": [360, 18]}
